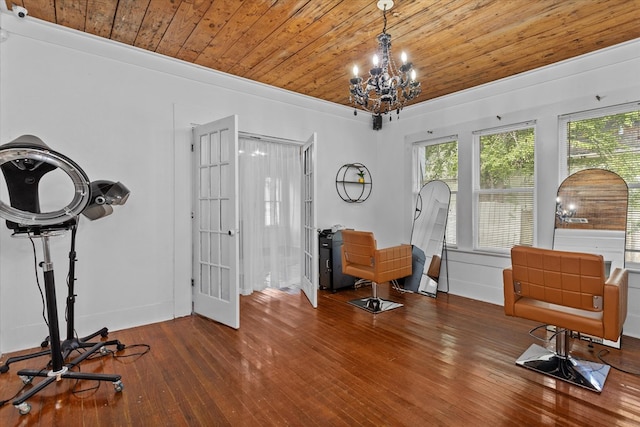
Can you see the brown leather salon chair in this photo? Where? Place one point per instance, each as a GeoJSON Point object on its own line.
{"type": "Point", "coordinates": [569, 291]}
{"type": "Point", "coordinates": [362, 259]}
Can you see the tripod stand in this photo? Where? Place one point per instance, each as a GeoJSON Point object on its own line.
{"type": "Point", "coordinates": [60, 351]}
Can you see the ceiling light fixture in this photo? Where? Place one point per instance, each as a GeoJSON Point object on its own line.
{"type": "Point", "coordinates": [388, 88]}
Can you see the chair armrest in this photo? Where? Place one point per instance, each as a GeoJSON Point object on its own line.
{"type": "Point", "coordinates": [616, 290]}
{"type": "Point", "coordinates": [510, 296]}
{"type": "Point", "coordinates": [392, 263]}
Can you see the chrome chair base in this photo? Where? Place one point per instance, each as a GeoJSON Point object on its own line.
{"type": "Point", "coordinates": [590, 375]}
{"type": "Point", "coordinates": [375, 305]}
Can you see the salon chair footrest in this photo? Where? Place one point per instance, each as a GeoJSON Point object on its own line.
{"type": "Point", "coordinates": [584, 373]}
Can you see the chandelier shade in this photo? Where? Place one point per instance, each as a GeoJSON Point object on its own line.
{"type": "Point", "coordinates": [387, 87]}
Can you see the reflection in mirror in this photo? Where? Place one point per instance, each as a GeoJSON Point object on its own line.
{"type": "Point", "coordinates": [427, 237]}
{"type": "Point", "coordinates": [591, 215]}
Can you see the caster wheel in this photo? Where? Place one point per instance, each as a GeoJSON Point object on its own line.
{"type": "Point", "coordinates": [104, 351]}
{"type": "Point", "coordinates": [120, 346]}
{"type": "Point", "coordinates": [24, 408]}
{"type": "Point", "coordinates": [25, 379]}
{"type": "Point", "coordinates": [118, 386]}
{"type": "Point", "coordinates": [104, 334]}
{"type": "Point", "coordinates": [3, 369]}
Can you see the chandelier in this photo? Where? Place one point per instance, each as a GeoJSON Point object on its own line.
{"type": "Point", "coordinates": [387, 88]}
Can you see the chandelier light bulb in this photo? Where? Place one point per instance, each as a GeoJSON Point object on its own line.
{"type": "Point", "coordinates": [375, 60]}
{"type": "Point", "coordinates": [403, 57]}
{"type": "Point", "coordinates": [355, 71]}
{"type": "Point", "coordinates": [413, 74]}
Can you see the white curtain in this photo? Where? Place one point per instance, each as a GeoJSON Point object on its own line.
{"type": "Point", "coordinates": [269, 183]}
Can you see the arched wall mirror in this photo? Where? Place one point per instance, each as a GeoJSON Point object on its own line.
{"type": "Point", "coordinates": [591, 215]}
{"type": "Point", "coordinates": [427, 237]}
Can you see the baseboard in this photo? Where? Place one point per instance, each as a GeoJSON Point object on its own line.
{"type": "Point", "coordinates": [30, 336]}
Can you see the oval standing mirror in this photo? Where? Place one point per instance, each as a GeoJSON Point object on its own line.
{"type": "Point", "coordinates": [427, 237]}
{"type": "Point", "coordinates": [591, 215]}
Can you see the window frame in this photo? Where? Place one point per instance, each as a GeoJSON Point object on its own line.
{"type": "Point", "coordinates": [563, 141]}
{"type": "Point", "coordinates": [477, 191]}
{"type": "Point", "coordinates": [416, 180]}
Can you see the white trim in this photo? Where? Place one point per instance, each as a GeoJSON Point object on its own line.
{"type": "Point", "coordinates": [417, 177]}
{"type": "Point", "coordinates": [267, 138]}
{"type": "Point", "coordinates": [435, 141]}
{"type": "Point", "coordinates": [600, 112]}
{"type": "Point", "coordinates": [564, 119]}
{"type": "Point", "coordinates": [570, 67]}
{"type": "Point", "coordinates": [563, 167]}
{"type": "Point", "coordinates": [46, 32]}
{"type": "Point", "coordinates": [476, 191]}
{"type": "Point", "coordinates": [505, 128]}
{"type": "Point", "coordinates": [563, 172]}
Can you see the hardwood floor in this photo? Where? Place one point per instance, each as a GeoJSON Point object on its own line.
{"type": "Point", "coordinates": [437, 362]}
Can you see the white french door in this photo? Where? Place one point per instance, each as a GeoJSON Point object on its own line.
{"type": "Point", "coordinates": [309, 270]}
{"type": "Point", "coordinates": [215, 225]}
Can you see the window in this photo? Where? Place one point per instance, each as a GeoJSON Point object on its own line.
{"type": "Point", "coordinates": [438, 159]}
{"type": "Point", "coordinates": [609, 139]}
{"type": "Point", "coordinates": [272, 199]}
{"type": "Point", "coordinates": [504, 187]}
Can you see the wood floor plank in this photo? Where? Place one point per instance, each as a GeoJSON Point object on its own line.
{"type": "Point", "coordinates": [445, 361]}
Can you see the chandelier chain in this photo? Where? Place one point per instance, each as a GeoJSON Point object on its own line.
{"type": "Point", "coordinates": [384, 16]}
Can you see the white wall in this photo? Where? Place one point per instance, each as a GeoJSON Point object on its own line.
{"type": "Point", "coordinates": [541, 95]}
{"type": "Point", "coordinates": [124, 114]}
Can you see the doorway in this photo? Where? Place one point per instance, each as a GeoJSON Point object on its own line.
{"type": "Point", "coordinates": [285, 207]}
{"type": "Point", "coordinates": [269, 174]}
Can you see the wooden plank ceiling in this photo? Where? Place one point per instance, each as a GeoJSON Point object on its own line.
{"type": "Point", "coordinates": [310, 46]}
